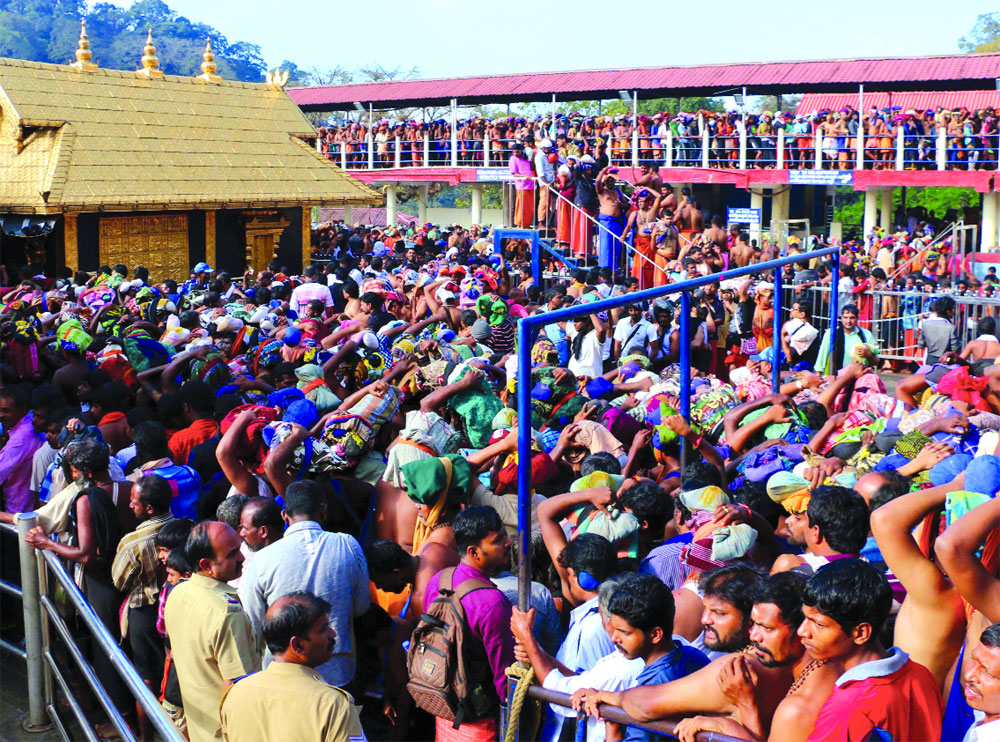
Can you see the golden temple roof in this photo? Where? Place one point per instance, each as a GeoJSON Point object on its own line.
{"type": "Point", "coordinates": [73, 140]}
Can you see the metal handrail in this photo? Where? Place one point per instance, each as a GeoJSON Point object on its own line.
{"type": "Point", "coordinates": [618, 715]}
{"type": "Point", "coordinates": [39, 613]}
{"type": "Point", "coordinates": [526, 325]}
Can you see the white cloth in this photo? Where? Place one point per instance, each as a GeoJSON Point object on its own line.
{"type": "Point", "coordinates": [590, 363]}
{"type": "Point", "coordinates": [979, 732]}
{"type": "Point", "coordinates": [800, 334]}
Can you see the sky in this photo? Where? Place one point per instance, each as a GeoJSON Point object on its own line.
{"type": "Point", "coordinates": [457, 38]}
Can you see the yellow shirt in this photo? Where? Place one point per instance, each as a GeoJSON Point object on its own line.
{"type": "Point", "coordinates": [212, 641]}
{"type": "Point", "coordinates": [288, 702]}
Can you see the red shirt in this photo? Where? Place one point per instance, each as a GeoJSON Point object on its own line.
{"type": "Point", "coordinates": [894, 695]}
{"type": "Point", "coordinates": [194, 434]}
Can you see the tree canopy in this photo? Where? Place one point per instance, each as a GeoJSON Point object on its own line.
{"type": "Point", "coordinates": [984, 36]}
{"type": "Point", "coordinates": [48, 30]}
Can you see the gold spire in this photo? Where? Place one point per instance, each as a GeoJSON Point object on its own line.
{"type": "Point", "coordinates": [83, 53]}
{"type": "Point", "coordinates": [208, 66]}
{"type": "Point", "coordinates": [150, 64]}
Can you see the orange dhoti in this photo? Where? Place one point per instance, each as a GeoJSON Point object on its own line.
{"type": "Point", "coordinates": [580, 233]}
{"type": "Point", "coordinates": [643, 266]}
{"type": "Point", "coordinates": [524, 208]}
{"type": "Point", "coordinates": [660, 273]}
{"type": "Point", "coordinates": [564, 219]}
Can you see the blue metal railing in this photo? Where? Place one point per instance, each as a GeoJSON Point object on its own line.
{"type": "Point", "coordinates": [527, 325]}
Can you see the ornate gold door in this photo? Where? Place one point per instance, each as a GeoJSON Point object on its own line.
{"type": "Point", "coordinates": [264, 230]}
{"type": "Point", "coordinates": [160, 243]}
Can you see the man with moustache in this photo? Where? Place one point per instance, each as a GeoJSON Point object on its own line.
{"type": "Point", "coordinates": [982, 687]}
{"type": "Point", "coordinates": [211, 639]}
{"type": "Point", "coordinates": [774, 619]}
{"type": "Point", "coordinates": [290, 700]}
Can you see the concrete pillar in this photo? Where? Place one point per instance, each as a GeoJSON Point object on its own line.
{"type": "Point", "coordinates": [871, 212]}
{"type": "Point", "coordinates": [885, 218]}
{"type": "Point", "coordinates": [423, 194]}
{"type": "Point", "coordinates": [349, 216]}
{"type": "Point", "coordinates": [505, 203]}
{"type": "Point", "coordinates": [809, 203]}
{"type": "Point", "coordinates": [477, 203]}
{"type": "Point", "coordinates": [991, 221]}
{"type": "Point", "coordinates": [390, 204]}
{"type": "Point", "coordinates": [780, 201]}
{"type": "Point", "coordinates": [781, 150]}
{"type": "Point", "coordinates": [756, 202]}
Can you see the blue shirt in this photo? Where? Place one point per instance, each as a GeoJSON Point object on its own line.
{"type": "Point", "coordinates": [330, 565]}
{"type": "Point", "coordinates": [681, 661]}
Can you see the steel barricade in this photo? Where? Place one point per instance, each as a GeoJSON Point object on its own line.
{"type": "Point", "coordinates": [41, 616]}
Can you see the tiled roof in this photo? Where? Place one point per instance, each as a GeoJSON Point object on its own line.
{"type": "Point", "coordinates": [922, 100]}
{"type": "Point", "coordinates": [116, 140]}
{"type": "Point", "coordinates": [948, 72]}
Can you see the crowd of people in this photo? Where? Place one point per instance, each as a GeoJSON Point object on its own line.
{"type": "Point", "coordinates": [293, 498]}
{"type": "Point", "coordinates": [971, 138]}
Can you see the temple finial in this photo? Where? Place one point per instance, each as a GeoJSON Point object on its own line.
{"type": "Point", "coordinates": [83, 53]}
{"type": "Point", "coordinates": [150, 64]}
{"type": "Point", "coordinates": [208, 66]}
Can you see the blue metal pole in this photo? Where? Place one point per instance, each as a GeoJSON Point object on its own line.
{"type": "Point", "coordinates": [776, 325]}
{"type": "Point", "coordinates": [685, 341]}
{"type": "Point", "coordinates": [497, 239]}
{"type": "Point", "coordinates": [536, 260]}
{"type": "Point", "coordinates": [834, 308]}
{"type": "Point", "coordinates": [523, 463]}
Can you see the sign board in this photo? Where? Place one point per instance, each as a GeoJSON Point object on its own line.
{"type": "Point", "coordinates": [743, 216]}
{"type": "Point", "coordinates": [492, 174]}
{"type": "Point", "coordinates": [820, 177]}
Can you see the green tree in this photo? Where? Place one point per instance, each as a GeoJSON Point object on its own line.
{"type": "Point", "coordinates": [850, 204]}
{"type": "Point", "coordinates": [984, 36]}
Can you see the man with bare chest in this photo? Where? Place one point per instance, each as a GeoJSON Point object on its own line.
{"type": "Point", "coordinates": [609, 218]}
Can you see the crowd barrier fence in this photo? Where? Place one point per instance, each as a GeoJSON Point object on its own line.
{"type": "Point", "coordinates": [41, 617]}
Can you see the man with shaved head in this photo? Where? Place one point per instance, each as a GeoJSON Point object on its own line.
{"type": "Point", "coordinates": [290, 700]}
{"type": "Point", "coordinates": [212, 640]}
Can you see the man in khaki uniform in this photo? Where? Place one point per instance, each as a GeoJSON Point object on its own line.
{"type": "Point", "coordinates": [211, 638]}
{"type": "Point", "coordinates": [290, 700]}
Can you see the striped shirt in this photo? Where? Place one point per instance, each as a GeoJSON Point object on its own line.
{"type": "Point", "coordinates": [136, 568]}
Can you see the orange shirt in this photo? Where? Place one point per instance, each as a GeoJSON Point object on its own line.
{"type": "Point", "coordinates": [194, 434]}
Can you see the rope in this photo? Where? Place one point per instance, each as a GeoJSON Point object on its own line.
{"type": "Point", "coordinates": [524, 676]}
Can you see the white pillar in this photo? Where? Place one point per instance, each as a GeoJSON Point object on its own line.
{"type": "Point", "coordinates": [319, 143]}
{"type": "Point", "coordinates": [899, 148]}
{"type": "Point", "coordinates": [635, 148]}
{"type": "Point", "coordinates": [349, 216]}
{"type": "Point", "coordinates": [991, 221]}
{"type": "Point", "coordinates": [427, 149]}
{"type": "Point", "coordinates": [398, 158]}
{"type": "Point", "coordinates": [871, 212]}
{"type": "Point", "coordinates": [423, 194]}
{"type": "Point", "coordinates": [941, 150]}
{"type": "Point", "coordinates": [390, 204]}
{"type": "Point", "coordinates": [756, 202]}
{"type": "Point", "coordinates": [477, 203]}
{"type": "Point", "coordinates": [669, 161]}
{"type": "Point", "coordinates": [454, 132]}
{"type": "Point", "coordinates": [818, 140]}
{"type": "Point", "coordinates": [704, 144]}
{"type": "Point", "coordinates": [742, 127]}
{"type": "Point", "coordinates": [486, 150]}
{"type": "Point", "coordinates": [780, 201]}
{"type": "Point", "coordinates": [859, 153]}
{"type": "Point", "coordinates": [885, 218]}
{"type": "Point", "coordinates": [343, 155]}
{"type": "Point", "coordinates": [781, 149]}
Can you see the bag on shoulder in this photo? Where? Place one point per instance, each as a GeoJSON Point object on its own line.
{"type": "Point", "coordinates": [449, 672]}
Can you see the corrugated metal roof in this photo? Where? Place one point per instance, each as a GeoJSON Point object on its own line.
{"type": "Point", "coordinates": [922, 100]}
{"type": "Point", "coordinates": [949, 72]}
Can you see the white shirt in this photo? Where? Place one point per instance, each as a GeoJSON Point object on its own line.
{"type": "Point", "coordinates": [979, 732]}
{"type": "Point", "coordinates": [307, 292]}
{"type": "Point", "coordinates": [613, 672]}
{"type": "Point", "coordinates": [639, 340]}
{"type": "Point", "coordinates": [590, 363]}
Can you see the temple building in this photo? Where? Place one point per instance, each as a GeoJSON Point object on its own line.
{"type": "Point", "coordinates": [100, 166]}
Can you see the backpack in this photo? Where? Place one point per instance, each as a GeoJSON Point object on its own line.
{"type": "Point", "coordinates": [449, 671]}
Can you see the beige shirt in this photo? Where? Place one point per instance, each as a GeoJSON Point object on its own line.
{"type": "Point", "coordinates": [212, 641]}
{"type": "Point", "coordinates": [288, 702]}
